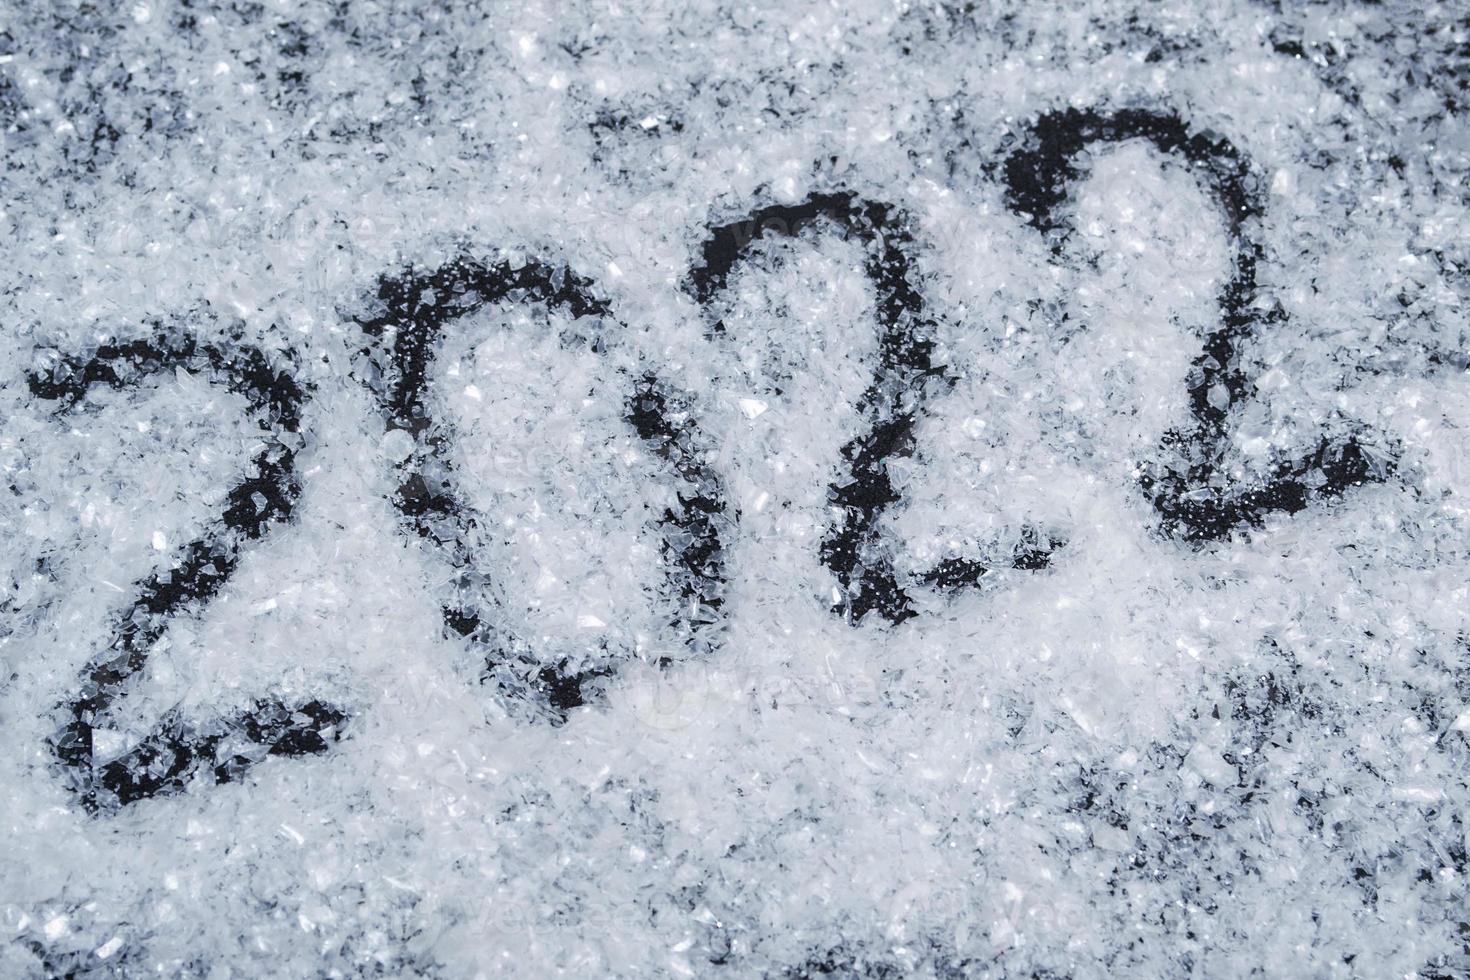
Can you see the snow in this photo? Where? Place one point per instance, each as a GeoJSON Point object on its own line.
{"type": "Point", "coordinates": [756, 490]}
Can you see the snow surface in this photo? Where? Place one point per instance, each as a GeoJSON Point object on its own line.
{"type": "Point", "coordinates": [693, 489]}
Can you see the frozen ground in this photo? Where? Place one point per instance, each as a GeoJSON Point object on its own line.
{"type": "Point", "coordinates": [687, 489]}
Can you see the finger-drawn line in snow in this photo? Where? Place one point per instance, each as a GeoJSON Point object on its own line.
{"type": "Point", "coordinates": [903, 379]}
{"type": "Point", "coordinates": [1202, 501]}
{"type": "Point", "coordinates": [414, 312]}
{"type": "Point", "coordinates": [176, 750]}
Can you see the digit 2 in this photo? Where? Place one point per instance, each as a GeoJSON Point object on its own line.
{"type": "Point", "coordinates": [176, 751]}
{"type": "Point", "coordinates": [1200, 502]}
{"type": "Point", "coordinates": [902, 379]}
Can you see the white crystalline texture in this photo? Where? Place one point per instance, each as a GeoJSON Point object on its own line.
{"type": "Point", "coordinates": [1090, 746]}
{"type": "Point", "coordinates": [794, 355]}
{"type": "Point", "coordinates": [568, 494]}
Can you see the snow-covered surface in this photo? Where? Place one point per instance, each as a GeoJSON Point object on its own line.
{"type": "Point", "coordinates": [1085, 732]}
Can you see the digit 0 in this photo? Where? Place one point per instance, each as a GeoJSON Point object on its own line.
{"type": "Point", "coordinates": [413, 313]}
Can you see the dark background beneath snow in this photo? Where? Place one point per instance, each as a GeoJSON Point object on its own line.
{"type": "Point", "coordinates": [1147, 759]}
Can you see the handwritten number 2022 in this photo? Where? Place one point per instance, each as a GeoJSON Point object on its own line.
{"type": "Point", "coordinates": [414, 311]}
